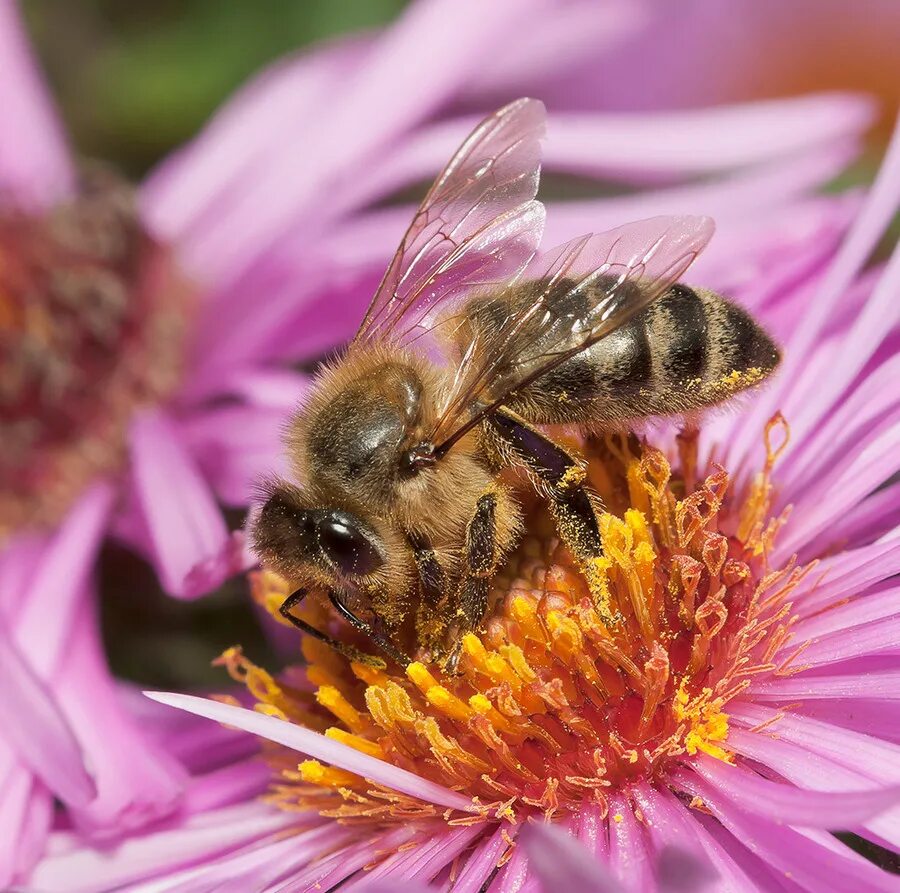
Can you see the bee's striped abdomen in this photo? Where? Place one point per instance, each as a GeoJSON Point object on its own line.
{"type": "Point", "coordinates": [687, 350]}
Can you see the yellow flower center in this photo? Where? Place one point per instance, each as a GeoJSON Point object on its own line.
{"type": "Point", "coordinates": [581, 680]}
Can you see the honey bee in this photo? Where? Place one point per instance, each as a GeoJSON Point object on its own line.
{"type": "Point", "coordinates": [474, 343]}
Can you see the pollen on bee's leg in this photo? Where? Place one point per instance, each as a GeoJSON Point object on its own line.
{"type": "Point", "coordinates": [584, 680]}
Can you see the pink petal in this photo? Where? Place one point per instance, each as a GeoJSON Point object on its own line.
{"type": "Point", "coordinates": [35, 167]}
{"type": "Point", "coordinates": [866, 607]}
{"type": "Point", "coordinates": [34, 726]}
{"type": "Point", "coordinates": [255, 867]}
{"type": "Point", "coordinates": [74, 868]}
{"type": "Point", "coordinates": [47, 608]}
{"type": "Point", "coordinates": [876, 214]}
{"type": "Point", "coordinates": [317, 746]}
{"type": "Point", "coordinates": [858, 416]}
{"type": "Point", "coordinates": [421, 862]}
{"type": "Point", "coordinates": [184, 525]}
{"type": "Point", "coordinates": [348, 133]}
{"type": "Point", "coordinates": [627, 849]}
{"type": "Point", "coordinates": [851, 571]}
{"type": "Point", "coordinates": [812, 865]}
{"type": "Point", "coordinates": [34, 830]}
{"type": "Point", "coordinates": [878, 759]}
{"type": "Point", "coordinates": [560, 862]}
{"type": "Point", "coordinates": [874, 637]}
{"type": "Point", "coordinates": [884, 684]}
{"type": "Point", "coordinates": [876, 718]}
{"type": "Point", "coordinates": [671, 824]}
{"type": "Point", "coordinates": [482, 863]}
{"type": "Point", "coordinates": [19, 789]}
{"type": "Point", "coordinates": [796, 806]}
{"type": "Point", "coordinates": [873, 517]}
{"type": "Point", "coordinates": [646, 146]}
{"type": "Point", "coordinates": [806, 766]}
{"type": "Point", "coordinates": [328, 873]}
{"type": "Point", "coordinates": [137, 783]}
{"type": "Point", "coordinates": [186, 193]}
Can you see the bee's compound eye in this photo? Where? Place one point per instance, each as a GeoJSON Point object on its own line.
{"type": "Point", "coordinates": [347, 546]}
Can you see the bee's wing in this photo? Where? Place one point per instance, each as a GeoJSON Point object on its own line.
{"type": "Point", "coordinates": [622, 271]}
{"type": "Point", "coordinates": [478, 226]}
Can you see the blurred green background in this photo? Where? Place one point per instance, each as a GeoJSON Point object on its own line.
{"type": "Point", "coordinates": [134, 79]}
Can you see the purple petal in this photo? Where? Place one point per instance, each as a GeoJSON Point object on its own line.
{"type": "Point", "coordinates": [137, 782]}
{"type": "Point", "coordinates": [71, 867]}
{"type": "Point", "coordinates": [34, 725]}
{"type": "Point", "coordinates": [318, 746]}
{"type": "Point", "coordinates": [390, 886]}
{"type": "Point", "coordinates": [55, 595]}
{"type": "Point", "coordinates": [35, 167]}
{"type": "Point", "coordinates": [482, 862]}
{"type": "Point", "coordinates": [328, 873]}
{"type": "Point", "coordinates": [627, 848]}
{"type": "Point", "coordinates": [878, 759]}
{"type": "Point", "coordinates": [867, 638]}
{"type": "Point", "coordinates": [185, 527]}
{"type": "Point", "coordinates": [884, 684]}
{"type": "Point", "coordinates": [879, 604]}
{"type": "Point", "coordinates": [870, 224]}
{"type": "Point", "coordinates": [796, 806]}
{"type": "Point", "coordinates": [562, 863]}
{"type": "Point", "coordinates": [645, 146]}
{"type": "Point", "coordinates": [20, 792]}
{"type": "Point", "coordinates": [813, 865]}
{"type": "Point", "coordinates": [671, 824]}
{"type": "Point", "coordinates": [422, 862]}
{"type": "Point", "coordinates": [192, 187]}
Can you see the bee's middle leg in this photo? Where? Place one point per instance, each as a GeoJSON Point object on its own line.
{"type": "Point", "coordinates": [563, 479]}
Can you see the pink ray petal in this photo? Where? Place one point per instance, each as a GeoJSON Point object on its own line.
{"type": "Point", "coordinates": [72, 868]}
{"type": "Point", "coordinates": [328, 873]}
{"type": "Point", "coordinates": [803, 766]}
{"type": "Point", "coordinates": [852, 749]}
{"type": "Point", "coordinates": [873, 637]}
{"type": "Point", "coordinates": [421, 862]}
{"type": "Point", "coordinates": [645, 146]}
{"type": "Point", "coordinates": [671, 824]}
{"type": "Point", "coordinates": [867, 229]}
{"type": "Point", "coordinates": [137, 783]}
{"type": "Point", "coordinates": [561, 862]}
{"type": "Point", "coordinates": [184, 530]}
{"type": "Point", "coordinates": [814, 866]}
{"type": "Point", "coordinates": [48, 606]}
{"type": "Point", "coordinates": [796, 806]}
{"type": "Point", "coordinates": [482, 862]}
{"type": "Point", "coordinates": [317, 746]}
{"type": "Point", "coordinates": [34, 725]}
{"type": "Point", "coordinates": [35, 166]}
{"type": "Point", "coordinates": [628, 854]}
{"type": "Point", "coordinates": [884, 684]}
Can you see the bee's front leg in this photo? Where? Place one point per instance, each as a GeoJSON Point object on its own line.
{"type": "Point", "coordinates": [348, 651]}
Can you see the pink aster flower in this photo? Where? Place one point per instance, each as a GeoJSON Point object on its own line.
{"type": "Point", "coordinates": [742, 712]}
{"type": "Point", "coordinates": [137, 417]}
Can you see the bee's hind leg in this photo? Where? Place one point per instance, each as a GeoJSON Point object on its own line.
{"type": "Point", "coordinates": [563, 479]}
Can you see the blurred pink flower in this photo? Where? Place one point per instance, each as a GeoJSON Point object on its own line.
{"type": "Point", "coordinates": [811, 734]}
{"type": "Point", "coordinates": [275, 214]}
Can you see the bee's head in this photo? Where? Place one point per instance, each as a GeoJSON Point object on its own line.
{"type": "Point", "coordinates": [325, 544]}
{"type": "Point", "coordinates": [363, 437]}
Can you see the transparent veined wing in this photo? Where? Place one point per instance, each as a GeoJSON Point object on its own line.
{"type": "Point", "coordinates": [577, 294]}
{"type": "Point", "coordinates": [477, 227]}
